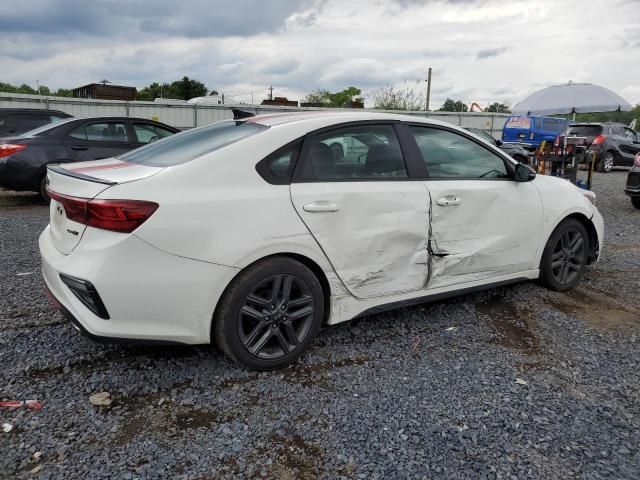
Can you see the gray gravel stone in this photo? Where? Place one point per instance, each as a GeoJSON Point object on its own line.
{"type": "Point", "coordinates": [363, 403]}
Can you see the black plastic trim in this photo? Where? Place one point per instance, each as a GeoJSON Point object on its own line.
{"type": "Point", "coordinates": [437, 296]}
{"type": "Point", "coordinates": [63, 171]}
{"type": "Point", "coordinates": [79, 287]}
{"type": "Point", "coordinates": [262, 167]}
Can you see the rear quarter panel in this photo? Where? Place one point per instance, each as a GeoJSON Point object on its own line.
{"type": "Point", "coordinates": [218, 209]}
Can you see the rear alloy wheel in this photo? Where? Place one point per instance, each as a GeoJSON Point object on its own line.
{"type": "Point", "coordinates": [270, 314]}
{"type": "Point", "coordinates": [565, 256]}
{"type": "Point", "coordinates": [635, 201]}
{"type": "Point", "coordinates": [607, 162]}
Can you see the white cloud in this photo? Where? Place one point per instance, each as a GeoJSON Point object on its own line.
{"type": "Point", "coordinates": [480, 50]}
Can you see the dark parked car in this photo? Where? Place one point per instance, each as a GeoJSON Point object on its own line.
{"type": "Point", "coordinates": [24, 159]}
{"type": "Point", "coordinates": [16, 121]}
{"type": "Point", "coordinates": [513, 150]}
{"type": "Point", "coordinates": [633, 182]}
{"type": "Point", "coordinates": [613, 143]}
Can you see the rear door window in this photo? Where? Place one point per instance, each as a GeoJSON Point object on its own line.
{"type": "Point", "coordinates": [101, 132]}
{"type": "Point", "coordinates": [370, 152]}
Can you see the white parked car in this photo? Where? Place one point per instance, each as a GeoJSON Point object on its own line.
{"type": "Point", "coordinates": [253, 233]}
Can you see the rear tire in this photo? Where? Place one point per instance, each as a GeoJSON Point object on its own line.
{"type": "Point", "coordinates": [635, 201]}
{"type": "Point", "coordinates": [564, 258]}
{"type": "Point", "coordinates": [270, 314]}
{"type": "Point", "coordinates": [607, 162]}
{"type": "Point", "coordinates": [43, 190]}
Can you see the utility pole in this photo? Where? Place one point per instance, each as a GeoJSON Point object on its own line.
{"type": "Point", "coordinates": [271, 92]}
{"type": "Point", "coordinates": [428, 88]}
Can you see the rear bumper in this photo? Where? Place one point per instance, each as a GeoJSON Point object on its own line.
{"type": "Point", "coordinates": [632, 188]}
{"type": "Point", "coordinates": [151, 296]}
{"type": "Point", "coordinates": [16, 176]}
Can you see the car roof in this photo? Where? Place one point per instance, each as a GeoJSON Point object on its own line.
{"type": "Point", "coordinates": [337, 117]}
{"type": "Point", "coordinates": [32, 110]}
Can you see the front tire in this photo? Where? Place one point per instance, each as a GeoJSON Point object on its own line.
{"type": "Point", "coordinates": [635, 201]}
{"type": "Point", "coordinates": [270, 314]}
{"type": "Point", "coordinates": [564, 258]}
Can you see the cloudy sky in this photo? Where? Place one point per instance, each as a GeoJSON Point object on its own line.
{"type": "Point", "coordinates": [480, 50]}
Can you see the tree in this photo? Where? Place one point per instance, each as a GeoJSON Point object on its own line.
{"type": "Point", "coordinates": [498, 108]}
{"type": "Point", "coordinates": [398, 98]}
{"type": "Point", "coordinates": [333, 100]}
{"type": "Point", "coordinates": [188, 88]}
{"type": "Point", "coordinates": [453, 106]}
{"type": "Point", "coordinates": [184, 89]}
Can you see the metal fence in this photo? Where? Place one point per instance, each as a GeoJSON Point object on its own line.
{"type": "Point", "coordinates": [185, 115]}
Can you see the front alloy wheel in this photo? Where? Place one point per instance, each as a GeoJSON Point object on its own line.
{"type": "Point", "coordinates": [565, 256]}
{"type": "Point", "coordinates": [270, 314]}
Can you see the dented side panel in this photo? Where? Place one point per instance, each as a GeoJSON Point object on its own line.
{"type": "Point", "coordinates": [492, 229]}
{"type": "Point", "coordinates": [376, 240]}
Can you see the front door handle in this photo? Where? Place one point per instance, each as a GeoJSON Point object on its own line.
{"type": "Point", "coordinates": [448, 201]}
{"type": "Point", "coordinates": [79, 147]}
{"type": "Point", "coordinates": [321, 206]}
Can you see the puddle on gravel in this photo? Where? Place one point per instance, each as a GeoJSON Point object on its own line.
{"type": "Point", "coordinates": [514, 326]}
{"type": "Point", "coordinates": [595, 309]}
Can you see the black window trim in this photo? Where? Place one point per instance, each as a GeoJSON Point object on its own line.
{"type": "Point", "coordinates": [262, 167]}
{"type": "Point", "coordinates": [413, 170]}
{"type": "Point", "coordinates": [509, 165]}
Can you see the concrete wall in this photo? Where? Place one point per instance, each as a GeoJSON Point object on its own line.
{"type": "Point", "coordinates": [190, 115]}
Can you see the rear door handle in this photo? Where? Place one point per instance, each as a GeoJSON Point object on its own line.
{"type": "Point", "coordinates": [79, 147]}
{"type": "Point", "coordinates": [448, 201]}
{"type": "Point", "coordinates": [321, 206]}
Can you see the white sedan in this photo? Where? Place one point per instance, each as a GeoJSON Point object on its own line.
{"type": "Point", "coordinates": [253, 233]}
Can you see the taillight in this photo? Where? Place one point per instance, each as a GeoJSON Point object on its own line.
{"type": "Point", "coordinates": [599, 140]}
{"type": "Point", "coordinates": [7, 149]}
{"type": "Point", "coordinates": [116, 215]}
{"type": "Point", "coordinates": [636, 160]}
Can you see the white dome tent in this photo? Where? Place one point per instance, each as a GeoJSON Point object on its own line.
{"type": "Point", "coordinates": [571, 98]}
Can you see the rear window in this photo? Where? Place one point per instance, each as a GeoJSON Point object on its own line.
{"type": "Point", "coordinates": [519, 122]}
{"type": "Point", "coordinates": [585, 130]}
{"type": "Point", "coordinates": [189, 145]}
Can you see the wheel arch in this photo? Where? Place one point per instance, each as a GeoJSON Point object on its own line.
{"type": "Point", "coordinates": [311, 264]}
{"type": "Point", "coordinates": [594, 245]}
{"type": "Point", "coordinates": [586, 222]}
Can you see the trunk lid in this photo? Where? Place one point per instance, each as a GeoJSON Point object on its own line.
{"type": "Point", "coordinates": [85, 180]}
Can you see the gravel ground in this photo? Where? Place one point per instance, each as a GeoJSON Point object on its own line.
{"type": "Point", "coordinates": [511, 383]}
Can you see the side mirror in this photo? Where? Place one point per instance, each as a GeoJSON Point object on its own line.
{"type": "Point", "coordinates": [524, 173]}
{"type": "Point", "coordinates": [498, 143]}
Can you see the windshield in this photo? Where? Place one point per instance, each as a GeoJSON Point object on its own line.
{"type": "Point", "coordinates": [189, 145]}
{"type": "Point", "coordinates": [45, 128]}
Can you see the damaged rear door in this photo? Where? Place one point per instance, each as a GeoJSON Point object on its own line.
{"type": "Point", "coordinates": [352, 190]}
{"type": "Point", "coordinates": [484, 224]}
